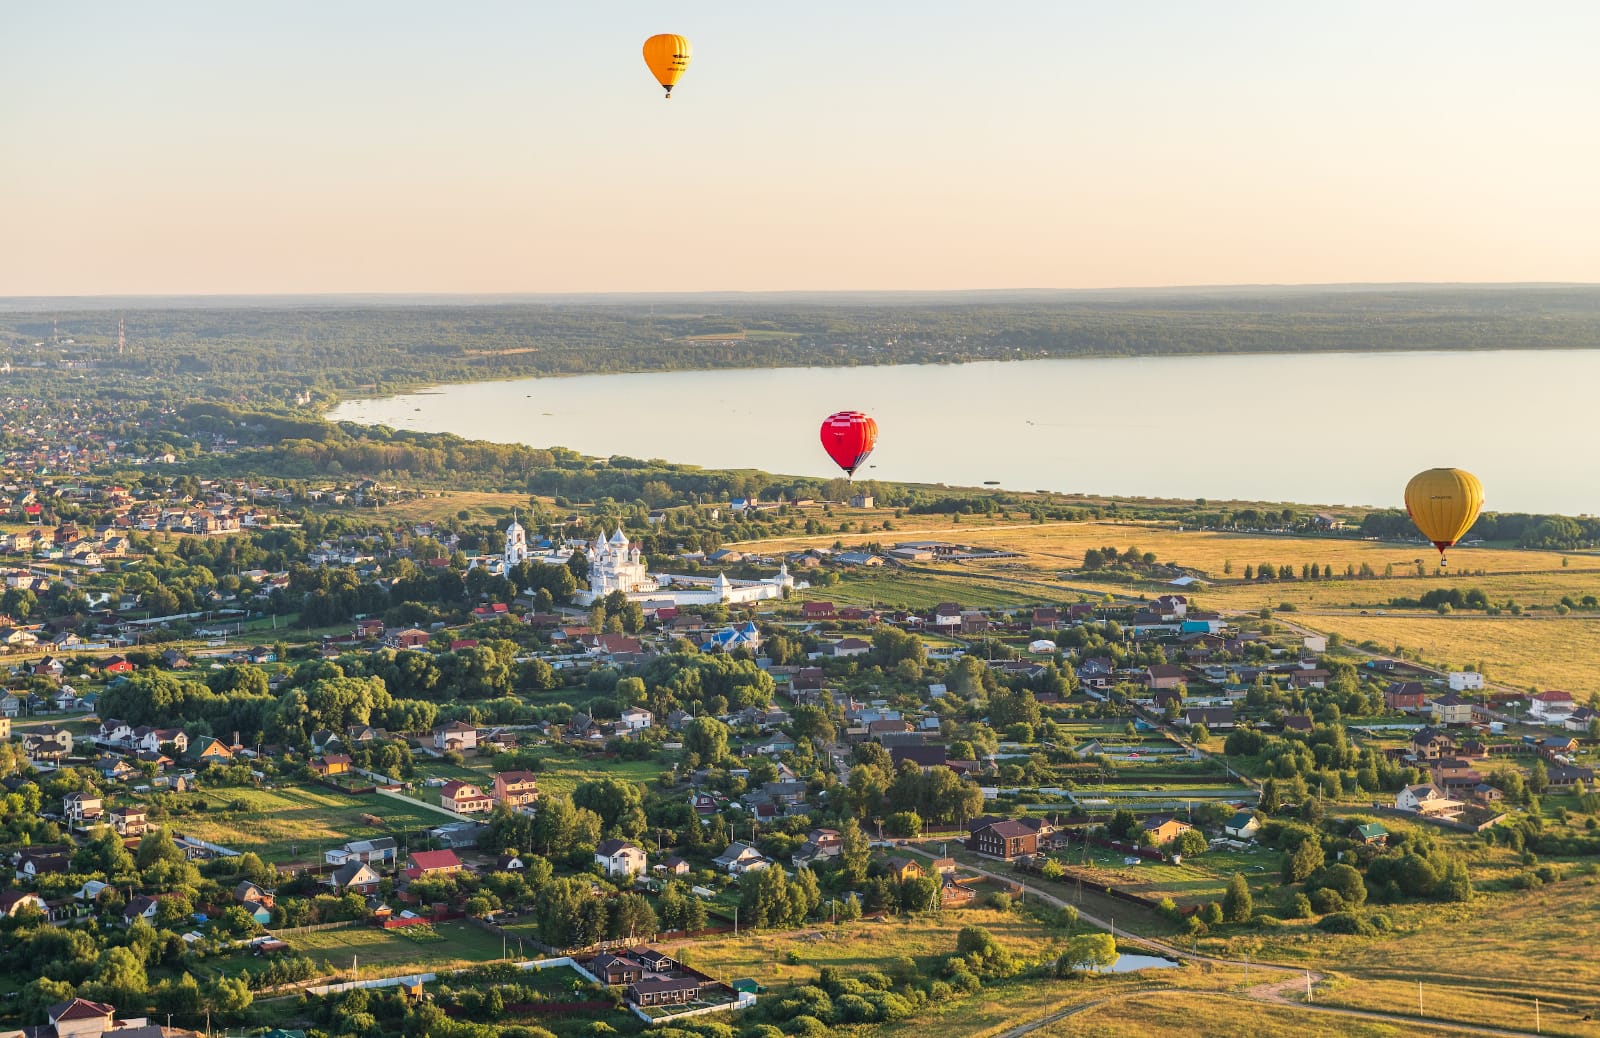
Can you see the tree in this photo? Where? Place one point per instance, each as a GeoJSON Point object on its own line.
{"type": "Point", "coordinates": [1237, 906]}
{"type": "Point", "coordinates": [1538, 777]}
{"type": "Point", "coordinates": [855, 853]}
{"type": "Point", "coordinates": [1346, 882]}
{"type": "Point", "coordinates": [1190, 842]}
{"type": "Point", "coordinates": [707, 738]}
{"type": "Point", "coordinates": [1087, 951]}
{"type": "Point", "coordinates": [1306, 859]}
{"type": "Point", "coordinates": [1269, 797]}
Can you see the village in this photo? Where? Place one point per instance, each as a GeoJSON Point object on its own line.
{"type": "Point", "coordinates": [591, 785]}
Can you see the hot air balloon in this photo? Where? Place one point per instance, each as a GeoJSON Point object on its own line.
{"type": "Point", "coordinates": [1444, 504]}
{"type": "Point", "coordinates": [667, 54]}
{"type": "Point", "coordinates": [848, 437]}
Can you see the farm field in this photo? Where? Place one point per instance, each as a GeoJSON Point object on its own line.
{"type": "Point", "coordinates": [1053, 547]}
{"type": "Point", "coordinates": [1199, 879]}
{"type": "Point", "coordinates": [307, 819]}
{"type": "Point", "coordinates": [480, 505]}
{"type": "Point", "coordinates": [1551, 652]}
{"type": "Point", "coordinates": [382, 950]}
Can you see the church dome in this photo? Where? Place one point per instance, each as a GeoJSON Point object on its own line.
{"type": "Point", "coordinates": [619, 537]}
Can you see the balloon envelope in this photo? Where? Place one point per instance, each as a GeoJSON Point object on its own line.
{"type": "Point", "coordinates": [1444, 504]}
{"type": "Point", "coordinates": [667, 54]}
{"type": "Point", "coordinates": [848, 437]}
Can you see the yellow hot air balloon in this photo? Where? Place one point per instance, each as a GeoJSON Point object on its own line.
{"type": "Point", "coordinates": [667, 54]}
{"type": "Point", "coordinates": [1444, 504]}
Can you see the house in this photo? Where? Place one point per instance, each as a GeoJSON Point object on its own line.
{"type": "Point", "coordinates": [953, 894]}
{"type": "Point", "coordinates": [1404, 695]}
{"type": "Point", "coordinates": [1431, 743]}
{"type": "Point", "coordinates": [457, 735]}
{"type": "Point", "coordinates": [673, 866]}
{"type": "Point", "coordinates": [1466, 681]}
{"type": "Point", "coordinates": [1451, 709]}
{"type": "Point", "coordinates": [33, 862]}
{"type": "Point", "coordinates": [380, 852]}
{"type": "Point", "coordinates": [81, 1018]}
{"type": "Point", "coordinates": [1578, 720]}
{"type": "Point", "coordinates": [616, 969]}
{"type": "Point", "coordinates": [141, 907]}
{"type": "Point", "coordinates": [1370, 833]}
{"type": "Point", "coordinates": [1163, 676]}
{"type": "Point", "coordinates": [516, 789]}
{"type": "Point", "coordinates": [1004, 838]}
{"type": "Point", "coordinates": [636, 719]}
{"type": "Point", "coordinates": [464, 798]}
{"type": "Point", "coordinates": [901, 869]}
{"type": "Point", "coordinates": [849, 647]}
{"type": "Point", "coordinates": [1297, 723]}
{"type": "Point", "coordinates": [332, 764]}
{"type": "Point", "coordinates": [1163, 829]}
{"type": "Point", "coordinates": [358, 877]}
{"type": "Point", "coordinates": [740, 858]}
{"type": "Point", "coordinates": [664, 991]}
{"type": "Point", "coordinates": [412, 638]}
{"type": "Point", "coordinates": [820, 844]}
{"type": "Point", "coordinates": [1566, 776]}
{"type": "Point", "coordinates": [432, 863]}
{"type": "Point", "coordinates": [1309, 678]}
{"type": "Point", "coordinates": [210, 751]}
{"type": "Point", "coordinates": [1425, 799]}
{"type": "Point", "coordinates": [1213, 718]}
{"type": "Point", "coordinates": [48, 742]}
{"type": "Point", "coordinates": [1550, 707]}
{"type": "Point", "coordinates": [775, 744]}
{"type": "Point", "coordinates": [129, 821]}
{"type": "Point", "coordinates": [926, 757]}
{"type": "Point", "coordinates": [1242, 826]}
{"type": "Point", "coordinates": [81, 810]}
{"type": "Point", "coordinates": [14, 901]}
{"type": "Point", "coordinates": [817, 611]}
{"type": "Point", "coordinates": [620, 858]}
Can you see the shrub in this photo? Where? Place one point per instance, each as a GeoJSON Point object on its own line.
{"type": "Point", "coordinates": [1346, 923]}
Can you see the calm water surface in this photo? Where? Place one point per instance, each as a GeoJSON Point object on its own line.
{"type": "Point", "coordinates": [1341, 428]}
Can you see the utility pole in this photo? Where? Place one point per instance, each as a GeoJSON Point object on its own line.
{"type": "Point", "coordinates": [1419, 996]}
{"type": "Point", "coordinates": [1308, 985]}
{"type": "Point", "coordinates": [1536, 1028]}
{"type": "Point", "coordinates": [736, 920]}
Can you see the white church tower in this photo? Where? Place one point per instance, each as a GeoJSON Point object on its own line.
{"type": "Point", "coordinates": [516, 544]}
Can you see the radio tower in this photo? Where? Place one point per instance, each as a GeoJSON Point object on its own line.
{"type": "Point", "coordinates": [122, 334]}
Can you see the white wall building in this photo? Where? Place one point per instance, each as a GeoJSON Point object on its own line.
{"type": "Point", "coordinates": [1466, 681]}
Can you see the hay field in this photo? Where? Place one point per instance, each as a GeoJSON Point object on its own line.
{"type": "Point", "coordinates": [1550, 652]}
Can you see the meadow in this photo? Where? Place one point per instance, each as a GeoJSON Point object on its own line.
{"type": "Point", "coordinates": [381, 952]}
{"type": "Point", "coordinates": [298, 821]}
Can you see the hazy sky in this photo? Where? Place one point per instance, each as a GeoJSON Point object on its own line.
{"type": "Point", "coordinates": [169, 147]}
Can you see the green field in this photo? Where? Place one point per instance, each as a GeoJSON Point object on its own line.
{"type": "Point", "coordinates": [307, 819]}
{"type": "Point", "coordinates": [387, 952]}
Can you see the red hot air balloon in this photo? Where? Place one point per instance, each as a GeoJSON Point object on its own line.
{"type": "Point", "coordinates": [849, 437]}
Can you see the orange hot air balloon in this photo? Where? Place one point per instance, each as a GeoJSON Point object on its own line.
{"type": "Point", "coordinates": [667, 54]}
{"type": "Point", "coordinates": [849, 437]}
{"type": "Point", "coordinates": [1444, 504]}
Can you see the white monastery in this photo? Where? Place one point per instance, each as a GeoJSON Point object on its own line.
{"type": "Point", "coordinates": [616, 565]}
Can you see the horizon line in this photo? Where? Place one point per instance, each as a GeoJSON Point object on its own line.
{"type": "Point", "coordinates": [620, 294]}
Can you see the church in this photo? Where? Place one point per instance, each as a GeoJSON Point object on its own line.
{"type": "Point", "coordinates": [615, 564]}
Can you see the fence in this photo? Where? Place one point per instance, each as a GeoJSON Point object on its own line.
{"type": "Point", "coordinates": [288, 931]}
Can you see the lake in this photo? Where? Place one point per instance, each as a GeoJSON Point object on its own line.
{"type": "Point", "coordinates": [1322, 428]}
{"type": "Point", "coordinates": [1127, 963]}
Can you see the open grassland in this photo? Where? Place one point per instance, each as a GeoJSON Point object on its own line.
{"type": "Point", "coordinates": [1180, 1013]}
{"type": "Point", "coordinates": [1053, 547]}
{"type": "Point", "coordinates": [386, 952]}
{"type": "Point", "coordinates": [310, 819]}
{"type": "Point", "coordinates": [1550, 652]}
{"type": "Point", "coordinates": [1487, 959]}
{"type": "Point", "coordinates": [863, 944]}
{"type": "Point", "coordinates": [481, 506]}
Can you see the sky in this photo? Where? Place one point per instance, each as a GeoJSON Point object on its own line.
{"type": "Point", "coordinates": [492, 147]}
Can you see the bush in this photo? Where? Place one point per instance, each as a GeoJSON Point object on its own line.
{"type": "Point", "coordinates": [1300, 907]}
{"type": "Point", "coordinates": [1324, 901]}
{"type": "Point", "coordinates": [1265, 921]}
{"type": "Point", "coordinates": [1345, 923]}
{"type": "Point", "coordinates": [809, 1027]}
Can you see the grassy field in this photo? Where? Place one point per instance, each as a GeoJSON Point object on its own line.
{"type": "Point", "coordinates": [386, 952]}
{"type": "Point", "coordinates": [1053, 547]}
{"type": "Point", "coordinates": [311, 819]}
{"type": "Point", "coordinates": [1551, 652]}
{"type": "Point", "coordinates": [1199, 879]}
{"type": "Point", "coordinates": [480, 506]}
{"type": "Point", "coordinates": [1175, 1013]}
{"type": "Point", "coordinates": [1487, 959]}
